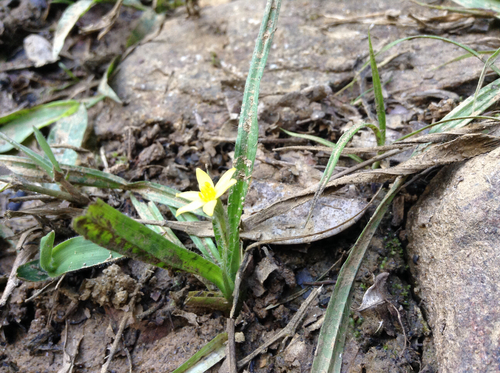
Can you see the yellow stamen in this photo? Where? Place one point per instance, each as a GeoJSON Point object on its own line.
{"type": "Point", "coordinates": [207, 192]}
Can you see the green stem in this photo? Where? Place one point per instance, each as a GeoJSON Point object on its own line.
{"type": "Point", "coordinates": [221, 233]}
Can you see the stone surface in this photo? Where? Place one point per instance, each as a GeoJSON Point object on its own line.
{"type": "Point", "coordinates": [198, 66]}
{"type": "Point", "coordinates": [454, 233]}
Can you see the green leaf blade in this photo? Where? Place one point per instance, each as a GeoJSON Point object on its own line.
{"type": "Point", "coordinates": [19, 125]}
{"type": "Point", "coordinates": [46, 149]}
{"type": "Point", "coordinates": [379, 98]}
{"type": "Point", "coordinates": [108, 227]}
{"type": "Point", "coordinates": [34, 157]}
{"type": "Point", "coordinates": [248, 130]}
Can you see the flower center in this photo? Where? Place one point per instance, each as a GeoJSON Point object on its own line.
{"type": "Point", "coordinates": [207, 193]}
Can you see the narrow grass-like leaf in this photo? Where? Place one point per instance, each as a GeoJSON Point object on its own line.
{"type": "Point", "coordinates": [487, 65]}
{"type": "Point", "coordinates": [334, 157]}
{"type": "Point", "coordinates": [69, 131]}
{"type": "Point", "coordinates": [109, 228]}
{"type": "Point", "coordinates": [104, 88]}
{"type": "Point", "coordinates": [203, 357]}
{"type": "Point", "coordinates": [158, 193]}
{"type": "Point", "coordinates": [149, 211]}
{"type": "Point", "coordinates": [248, 131]}
{"type": "Point", "coordinates": [69, 18]}
{"type": "Point", "coordinates": [46, 149]}
{"type": "Point", "coordinates": [379, 98]}
{"type": "Point", "coordinates": [35, 158]}
{"type": "Point", "coordinates": [485, 98]}
{"type": "Point", "coordinates": [317, 139]}
{"type": "Point", "coordinates": [396, 42]}
{"type": "Point", "coordinates": [71, 255]}
{"type": "Point", "coordinates": [462, 57]}
{"type": "Point", "coordinates": [75, 174]}
{"type": "Point", "coordinates": [442, 121]}
{"type": "Point", "coordinates": [478, 8]}
{"type": "Point", "coordinates": [205, 245]}
{"type": "Point", "coordinates": [328, 357]}
{"type": "Point", "coordinates": [321, 141]}
{"type": "Point", "coordinates": [19, 125]}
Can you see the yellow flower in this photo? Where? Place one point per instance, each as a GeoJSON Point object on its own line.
{"type": "Point", "coordinates": [208, 194]}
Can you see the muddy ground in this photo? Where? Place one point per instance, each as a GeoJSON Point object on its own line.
{"type": "Point", "coordinates": [182, 92]}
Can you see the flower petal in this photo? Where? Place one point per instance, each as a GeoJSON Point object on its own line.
{"type": "Point", "coordinates": [190, 196]}
{"type": "Point", "coordinates": [224, 188]}
{"type": "Point", "coordinates": [210, 207]}
{"type": "Point", "coordinates": [203, 178]}
{"type": "Point", "coordinates": [225, 178]}
{"type": "Point", "coordinates": [195, 205]}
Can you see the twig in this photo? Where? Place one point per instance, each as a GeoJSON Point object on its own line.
{"type": "Point", "coordinates": [72, 147]}
{"type": "Point", "coordinates": [21, 258]}
{"type": "Point", "coordinates": [148, 272]}
{"type": "Point", "coordinates": [402, 327]}
{"type": "Point", "coordinates": [231, 344]}
{"type": "Point", "coordinates": [20, 183]}
{"type": "Point", "coordinates": [151, 310]}
{"type": "Point", "coordinates": [118, 335]}
{"type": "Point", "coordinates": [306, 289]}
{"type": "Point", "coordinates": [129, 357]}
{"type": "Point", "coordinates": [286, 332]}
{"type": "Point", "coordinates": [32, 197]}
{"type": "Point", "coordinates": [40, 291]}
{"type": "Point", "coordinates": [104, 159]}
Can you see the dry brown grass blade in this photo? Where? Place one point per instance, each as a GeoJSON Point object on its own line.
{"type": "Point", "coordinates": [23, 254]}
{"type": "Point", "coordinates": [459, 149]}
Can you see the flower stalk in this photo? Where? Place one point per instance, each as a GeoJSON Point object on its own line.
{"type": "Point", "coordinates": [208, 198]}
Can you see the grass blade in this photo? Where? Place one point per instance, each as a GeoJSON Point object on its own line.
{"type": "Point", "coordinates": [216, 345]}
{"type": "Point", "coordinates": [334, 158]}
{"type": "Point", "coordinates": [486, 97]}
{"type": "Point", "coordinates": [109, 228]}
{"type": "Point", "coordinates": [19, 125]}
{"type": "Point", "coordinates": [35, 158]}
{"type": "Point", "coordinates": [488, 64]}
{"type": "Point", "coordinates": [321, 141]}
{"type": "Point", "coordinates": [480, 4]}
{"type": "Point", "coordinates": [379, 98]}
{"type": "Point", "coordinates": [205, 245]}
{"type": "Point", "coordinates": [317, 139]}
{"type": "Point", "coordinates": [149, 211]}
{"type": "Point", "coordinates": [248, 131]}
{"type": "Point", "coordinates": [46, 149]}
{"type": "Point", "coordinates": [328, 357]}
{"type": "Point", "coordinates": [396, 42]}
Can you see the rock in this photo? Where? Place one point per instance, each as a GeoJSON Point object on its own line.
{"type": "Point", "coordinates": [454, 239]}
{"type": "Point", "coordinates": [198, 66]}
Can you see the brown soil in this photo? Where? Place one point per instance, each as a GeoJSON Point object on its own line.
{"type": "Point", "coordinates": [178, 117]}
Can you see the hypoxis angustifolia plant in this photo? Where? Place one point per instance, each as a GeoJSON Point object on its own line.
{"type": "Point", "coordinates": [208, 199]}
{"type": "Point", "coordinates": [111, 229]}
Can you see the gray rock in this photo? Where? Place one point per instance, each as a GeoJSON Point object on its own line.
{"type": "Point", "coordinates": [199, 65]}
{"type": "Point", "coordinates": [454, 233]}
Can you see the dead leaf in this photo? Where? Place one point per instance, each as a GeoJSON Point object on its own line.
{"type": "Point", "coordinates": [38, 50]}
{"type": "Point", "coordinates": [376, 294]}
